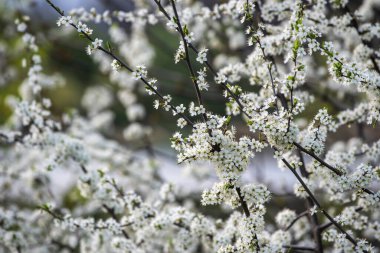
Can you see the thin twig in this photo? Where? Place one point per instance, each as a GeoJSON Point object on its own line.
{"type": "Point", "coordinates": [324, 163]}
{"type": "Point", "coordinates": [247, 213]}
{"type": "Point", "coordinates": [207, 63]}
{"type": "Point", "coordinates": [300, 248]}
{"type": "Point", "coordinates": [355, 24]}
{"type": "Point", "coordinates": [312, 217]}
{"type": "Point", "coordinates": [299, 216]}
{"type": "Point", "coordinates": [187, 58]}
{"type": "Point", "coordinates": [316, 202]}
{"type": "Point", "coordinates": [122, 63]}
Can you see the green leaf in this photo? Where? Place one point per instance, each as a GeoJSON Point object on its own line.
{"type": "Point", "coordinates": [296, 45]}
{"type": "Point", "coordinates": [228, 120]}
{"type": "Point", "coordinates": [101, 173]}
{"type": "Point", "coordinates": [185, 30]}
{"type": "Point", "coordinates": [291, 78]}
{"type": "Point", "coordinates": [301, 67]}
{"type": "Point", "coordinates": [109, 46]}
{"type": "Point", "coordinates": [337, 67]}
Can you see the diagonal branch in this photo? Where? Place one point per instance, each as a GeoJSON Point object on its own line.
{"type": "Point", "coordinates": [187, 58]}
{"type": "Point", "coordinates": [298, 248]}
{"type": "Point", "coordinates": [121, 62]}
{"type": "Point", "coordinates": [207, 63]}
{"type": "Point", "coordinates": [355, 24]}
{"type": "Point", "coordinates": [299, 216]}
{"type": "Point", "coordinates": [247, 213]}
{"type": "Point", "coordinates": [316, 202]}
{"type": "Point", "coordinates": [330, 167]}
{"type": "Point", "coordinates": [312, 217]}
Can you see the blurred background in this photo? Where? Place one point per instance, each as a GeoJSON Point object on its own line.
{"type": "Point", "coordinates": [63, 54]}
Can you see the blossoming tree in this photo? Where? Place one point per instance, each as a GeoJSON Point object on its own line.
{"type": "Point", "coordinates": [269, 62]}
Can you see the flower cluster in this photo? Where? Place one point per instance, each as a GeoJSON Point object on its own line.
{"type": "Point", "coordinates": [295, 82]}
